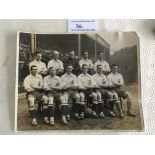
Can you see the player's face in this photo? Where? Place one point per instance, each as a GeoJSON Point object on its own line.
{"type": "Point", "coordinates": [56, 56]}
{"type": "Point", "coordinates": [69, 69]}
{"type": "Point", "coordinates": [71, 54]}
{"type": "Point", "coordinates": [34, 70]}
{"type": "Point", "coordinates": [85, 55]}
{"type": "Point", "coordinates": [52, 71]}
{"type": "Point", "coordinates": [85, 69]}
{"type": "Point", "coordinates": [101, 56]}
{"type": "Point", "coordinates": [38, 57]}
{"type": "Point", "coordinates": [115, 69]}
{"type": "Point", "coordinates": [99, 69]}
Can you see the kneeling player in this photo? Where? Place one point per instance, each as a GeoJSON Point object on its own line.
{"type": "Point", "coordinates": [69, 83]}
{"type": "Point", "coordinates": [33, 84]}
{"type": "Point", "coordinates": [85, 86]}
{"type": "Point", "coordinates": [101, 90]}
{"type": "Point", "coordinates": [117, 83]}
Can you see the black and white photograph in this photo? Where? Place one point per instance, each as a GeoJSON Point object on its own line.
{"type": "Point", "coordinates": [87, 82]}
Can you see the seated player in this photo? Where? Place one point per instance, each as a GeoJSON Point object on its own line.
{"type": "Point", "coordinates": [52, 87]}
{"type": "Point", "coordinates": [87, 61]}
{"type": "Point", "coordinates": [102, 90]}
{"type": "Point", "coordinates": [101, 61]}
{"type": "Point", "coordinates": [56, 63]}
{"type": "Point", "coordinates": [69, 85]}
{"type": "Point", "coordinates": [33, 85]}
{"type": "Point", "coordinates": [42, 70]}
{"type": "Point", "coordinates": [85, 86]}
{"type": "Point", "coordinates": [117, 82]}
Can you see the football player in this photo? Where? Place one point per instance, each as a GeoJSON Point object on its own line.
{"type": "Point", "coordinates": [42, 70]}
{"type": "Point", "coordinates": [102, 86]}
{"type": "Point", "coordinates": [56, 63]}
{"type": "Point", "coordinates": [87, 61]}
{"type": "Point", "coordinates": [85, 86]}
{"type": "Point", "coordinates": [71, 59]}
{"type": "Point", "coordinates": [101, 61]}
{"type": "Point", "coordinates": [69, 85]}
{"type": "Point", "coordinates": [33, 85]}
{"type": "Point", "coordinates": [117, 82]}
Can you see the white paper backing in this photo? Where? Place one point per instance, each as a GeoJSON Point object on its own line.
{"type": "Point", "coordinates": [9, 28]}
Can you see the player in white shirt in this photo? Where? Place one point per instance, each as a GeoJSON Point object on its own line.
{"type": "Point", "coordinates": [85, 86]}
{"type": "Point", "coordinates": [69, 85]}
{"type": "Point", "coordinates": [102, 86]}
{"type": "Point", "coordinates": [56, 63]}
{"type": "Point", "coordinates": [101, 61]}
{"type": "Point", "coordinates": [42, 70]}
{"type": "Point", "coordinates": [117, 82]}
{"type": "Point", "coordinates": [33, 85]}
{"type": "Point", "coordinates": [86, 61]}
{"type": "Point", "coordinates": [53, 88]}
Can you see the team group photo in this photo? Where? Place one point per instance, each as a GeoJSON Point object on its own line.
{"type": "Point", "coordinates": [85, 81]}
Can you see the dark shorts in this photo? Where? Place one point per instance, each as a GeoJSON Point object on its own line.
{"type": "Point", "coordinates": [36, 94]}
{"type": "Point", "coordinates": [120, 92]}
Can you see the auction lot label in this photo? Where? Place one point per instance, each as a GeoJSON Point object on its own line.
{"type": "Point", "coordinates": [82, 25]}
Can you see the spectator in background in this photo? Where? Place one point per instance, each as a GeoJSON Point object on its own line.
{"type": "Point", "coordinates": [20, 72]}
{"type": "Point", "coordinates": [56, 63]}
{"type": "Point", "coordinates": [101, 61]}
{"type": "Point", "coordinates": [42, 70]}
{"type": "Point", "coordinates": [73, 61]}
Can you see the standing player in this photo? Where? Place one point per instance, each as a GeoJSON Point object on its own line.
{"type": "Point", "coordinates": [69, 85]}
{"type": "Point", "coordinates": [56, 63]}
{"type": "Point", "coordinates": [85, 86]}
{"type": "Point", "coordinates": [101, 61]}
{"type": "Point", "coordinates": [101, 90]}
{"type": "Point", "coordinates": [42, 70]}
{"type": "Point", "coordinates": [33, 84]}
{"type": "Point", "coordinates": [73, 61]}
{"type": "Point", "coordinates": [116, 81]}
{"type": "Point", "coordinates": [86, 61]}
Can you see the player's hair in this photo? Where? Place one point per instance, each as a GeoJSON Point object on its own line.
{"type": "Point", "coordinates": [114, 65]}
{"type": "Point", "coordinates": [84, 65]}
{"type": "Point", "coordinates": [84, 51]}
{"type": "Point", "coordinates": [51, 68]}
{"type": "Point", "coordinates": [69, 65]}
{"type": "Point", "coordinates": [101, 52]}
{"type": "Point", "coordinates": [32, 67]}
{"type": "Point", "coordinates": [36, 53]}
{"type": "Point", "coordinates": [99, 65]}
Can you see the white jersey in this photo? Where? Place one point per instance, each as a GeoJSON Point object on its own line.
{"type": "Point", "coordinates": [115, 78]}
{"type": "Point", "coordinates": [85, 80]}
{"type": "Point", "coordinates": [100, 79]}
{"type": "Point", "coordinates": [39, 64]}
{"type": "Point", "coordinates": [31, 80]}
{"type": "Point", "coordinates": [57, 64]}
{"type": "Point", "coordinates": [69, 80]}
{"type": "Point", "coordinates": [105, 65]}
{"type": "Point", "coordinates": [52, 82]}
{"type": "Point", "coordinates": [87, 62]}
